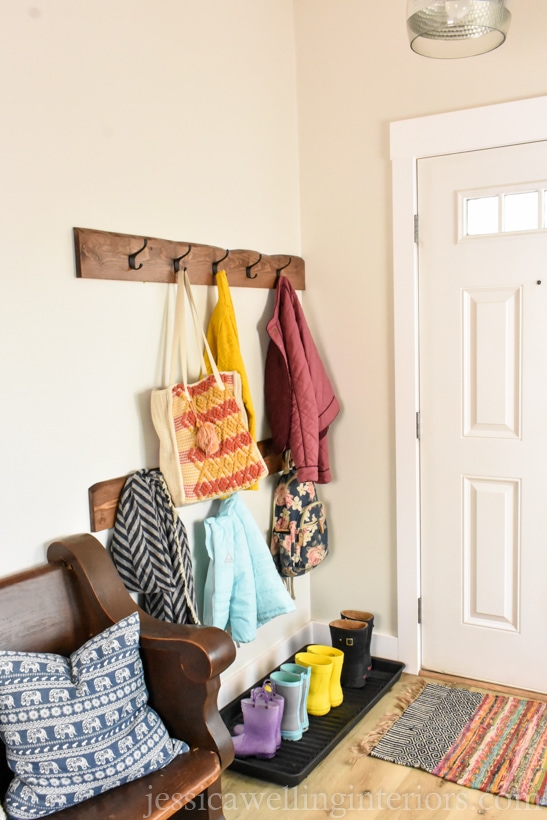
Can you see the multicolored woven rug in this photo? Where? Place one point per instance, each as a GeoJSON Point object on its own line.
{"type": "Point", "coordinates": [494, 743]}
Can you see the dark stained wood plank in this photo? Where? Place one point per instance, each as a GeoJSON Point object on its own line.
{"type": "Point", "coordinates": [103, 503]}
{"type": "Point", "coordinates": [104, 496]}
{"type": "Point", "coordinates": [105, 255]}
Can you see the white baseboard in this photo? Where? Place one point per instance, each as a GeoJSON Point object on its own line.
{"type": "Point", "coordinates": [382, 646]}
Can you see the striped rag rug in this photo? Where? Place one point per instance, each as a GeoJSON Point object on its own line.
{"type": "Point", "coordinates": [494, 743]}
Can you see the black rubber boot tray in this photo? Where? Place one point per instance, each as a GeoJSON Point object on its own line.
{"type": "Point", "coordinates": [296, 759]}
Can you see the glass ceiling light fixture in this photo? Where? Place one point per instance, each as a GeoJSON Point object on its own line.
{"type": "Point", "coordinates": [456, 28]}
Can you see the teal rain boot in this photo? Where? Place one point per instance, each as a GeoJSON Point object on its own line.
{"type": "Point", "coordinates": [290, 687]}
{"type": "Point", "coordinates": [305, 673]}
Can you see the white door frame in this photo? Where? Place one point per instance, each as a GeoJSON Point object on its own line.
{"type": "Point", "coordinates": [473, 129]}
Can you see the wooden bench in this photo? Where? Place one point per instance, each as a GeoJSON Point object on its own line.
{"type": "Point", "coordinates": [57, 606]}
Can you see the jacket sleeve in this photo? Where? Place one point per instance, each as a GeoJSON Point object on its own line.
{"type": "Point", "coordinates": [300, 400]}
{"type": "Point", "coordinates": [277, 390]}
{"type": "Point", "coordinates": [272, 597]}
{"type": "Point", "coordinates": [223, 338]}
{"type": "Point", "coordinates": [220, 576]}
{"type": "Point", "coordinates": [230, 594]}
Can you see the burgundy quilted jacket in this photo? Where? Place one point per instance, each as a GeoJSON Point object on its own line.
{"type": "Point", "coordinates": [300, 401]}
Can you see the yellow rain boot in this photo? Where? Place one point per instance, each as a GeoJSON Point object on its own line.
{"type": "Point", "coordinates": [337, 657]}
{"type": "Point", "coordinates": [321, 671]}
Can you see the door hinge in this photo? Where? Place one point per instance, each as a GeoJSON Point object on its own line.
{"type": "Point", "coordinates": [416, 229]}
{"type": "Point", "coordinates": [419, 610]}
{"type": "Point", "coordinates": [418, 425]}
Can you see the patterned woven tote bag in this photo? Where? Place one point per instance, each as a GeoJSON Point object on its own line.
{"type": "Point", "coordinates": [206, 450]}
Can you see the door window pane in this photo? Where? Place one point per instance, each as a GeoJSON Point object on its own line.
{"type": "Point", "coordinates": [482, 215]}
{"type": "Point", "coordinates": [520, 211]}
{"type": "Point", "coordinates": [509, 211]}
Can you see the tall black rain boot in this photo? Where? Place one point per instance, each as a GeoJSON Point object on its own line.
{"type": "Point", "coordinates": [368, 618]}
{"type": "Point", "coordinates": [351, 638]}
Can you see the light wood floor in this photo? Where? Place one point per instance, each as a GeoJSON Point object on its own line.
{"type": "Point", "coordinates": [368, 789]}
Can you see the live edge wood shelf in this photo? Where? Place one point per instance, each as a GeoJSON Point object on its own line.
{"type": "Point", "coordinates": [104, 496]}
{"type": "Point", "coordinates": [107, 255]}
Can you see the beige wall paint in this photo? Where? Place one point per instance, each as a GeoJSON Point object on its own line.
{"type": "Point", "coordinates": [173, 119]}
{"type": "Point", "coordinates": [356, 74]}
{"type": "Point", "coordinates": [188, 119]}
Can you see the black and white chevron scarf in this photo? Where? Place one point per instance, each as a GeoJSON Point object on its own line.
{"type": "Point", "coordinates": [150, 549]}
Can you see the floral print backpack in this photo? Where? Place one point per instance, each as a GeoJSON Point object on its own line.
{"type": "Point", "coordinates": [299, 539]}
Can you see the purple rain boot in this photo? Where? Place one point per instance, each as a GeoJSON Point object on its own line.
{"type": "Point", "coordinates": [260, 721]}
{"type": "Point", "coordinates": [266, 691]}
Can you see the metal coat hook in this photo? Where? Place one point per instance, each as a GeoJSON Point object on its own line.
{"type": "Point", "coordinates": [217, 263]}
{"type": "Point", "coordinates": [278, 271]}
{"type": "Point", "coordinates": [248, 268]}
{"type": "Point", "coordinates": [131, 257]}
{"type": "Point", "coordinates": [176, 262]}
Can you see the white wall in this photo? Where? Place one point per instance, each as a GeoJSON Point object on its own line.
{"type": "Point", "coordinates": [356, 74]}
{"type": "Point", "coordinates": [170, 118]}
{"type": "Point", "coordinates": [178, 119]}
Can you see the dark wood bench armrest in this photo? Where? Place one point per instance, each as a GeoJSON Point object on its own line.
{"type": "Point", "coordinates": [182, 663]}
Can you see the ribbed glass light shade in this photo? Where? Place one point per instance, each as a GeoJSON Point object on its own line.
{"type": "Point", "coordinates": [456, 28]}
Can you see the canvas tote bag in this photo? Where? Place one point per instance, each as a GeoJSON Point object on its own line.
{"type": "Point", "coordinates": [206, 450]}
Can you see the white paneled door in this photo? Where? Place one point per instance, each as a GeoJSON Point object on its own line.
{"type": "Point", "coordinates": [483, 402]}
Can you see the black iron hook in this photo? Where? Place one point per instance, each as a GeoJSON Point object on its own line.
{"type": "Point", "coordinates": [248, 268]}
{"type": "Point", "coordinates": [176, 262]}
{"type": "Point", "coordinates": [217, 263]}
{"type": "Point", "coordinates": [131, 257]}
{"type": "Point", "coordinates": [278, 271]}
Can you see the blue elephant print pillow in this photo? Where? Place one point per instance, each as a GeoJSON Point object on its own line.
{"type": "Point", "coordinates": [75, 727]}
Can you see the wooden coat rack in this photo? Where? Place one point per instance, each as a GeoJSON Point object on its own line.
{"type": "Point", "coordinates": [105, 495]}
{"type": "Point", "coordinates": [107, 255]}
